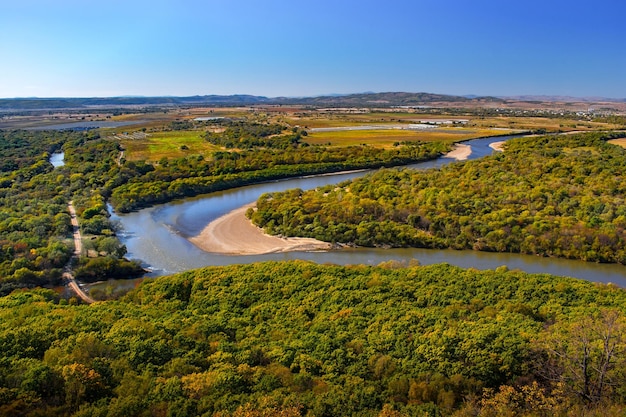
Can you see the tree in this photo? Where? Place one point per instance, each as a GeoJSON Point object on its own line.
{"type": "Point", "coordinates": [587, 356]}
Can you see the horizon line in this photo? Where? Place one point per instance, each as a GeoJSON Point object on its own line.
{"type": "Point", "coordinates": [471, 96]}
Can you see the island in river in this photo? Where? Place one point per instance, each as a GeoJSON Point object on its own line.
{"type": "Point", "coordinates": [234, 234]}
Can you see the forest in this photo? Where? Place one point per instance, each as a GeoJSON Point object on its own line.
{"type": "Point", "coordinates": [560, 196]}
{"type": "Point", "coordinates": [301, 339]}
{"type": "Point", "coordinates": [35, 229]}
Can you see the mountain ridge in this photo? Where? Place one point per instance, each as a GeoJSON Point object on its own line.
{"type": "Point", "coordinates": [383, 99]}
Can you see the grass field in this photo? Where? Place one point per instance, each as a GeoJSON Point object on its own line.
{"type": "Point", "coordinates": [387, 138]}
{"type": "Point", "coordinates": [160, 144]}
{"type": "Point", "coordinates": [167, 144]}
{"type": "Point", "coordinates": [318, 119]}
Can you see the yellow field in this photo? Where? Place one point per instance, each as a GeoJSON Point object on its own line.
{"type": "Point", "coordinates": [312, 119]}
{"type": "Point", "coordinates": [167, 144]}
{"type": "Point", "coordinates": [619, 142]}
{"type": "Point", "coordinates": [316, 120]}
{"type": "Point", "coordinates": [533, 123]}
{"type": "Point", "coordinates": [387, 138]}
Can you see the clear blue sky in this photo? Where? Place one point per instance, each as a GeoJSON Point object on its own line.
{"type": "Point", "coordinates": [83, 48]}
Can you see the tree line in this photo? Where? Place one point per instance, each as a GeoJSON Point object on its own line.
{"type": "Point", "coordinates": [35, 229]}
{"type": "Point", "coordinates": [150, 184]}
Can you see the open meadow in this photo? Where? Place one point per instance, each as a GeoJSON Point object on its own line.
{"type": "Point", "coordinates": [152, 147]}
{"type": "Point", "coordinates": [378, 129]}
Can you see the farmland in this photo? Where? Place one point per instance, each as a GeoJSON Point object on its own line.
{"type": "Point", "coordinates": [388, 137]}
{"type": "Point", "coordinates": [170, 144]}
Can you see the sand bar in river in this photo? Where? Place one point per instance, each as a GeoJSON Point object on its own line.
{"type": "Point", "coordinates": [234, 234]}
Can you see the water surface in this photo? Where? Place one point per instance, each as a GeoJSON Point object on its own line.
{"type": "Point", "coordinates": [57, 159]}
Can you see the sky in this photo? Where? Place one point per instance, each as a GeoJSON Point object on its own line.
{"type": "Point", "coordinates": [97, 48]}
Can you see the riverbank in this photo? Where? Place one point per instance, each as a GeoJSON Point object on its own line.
{"type": "Point", "coordinates": [460, 152]}
{"type": "Point", "coordinates": [497, 146]}
{"type": "Point", "coordinates": [234, 234]}
{"type": "Point", "coordinates": [167, 250]}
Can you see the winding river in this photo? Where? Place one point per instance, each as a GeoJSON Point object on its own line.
{"type": "Point", "coordinates": [158, 235]}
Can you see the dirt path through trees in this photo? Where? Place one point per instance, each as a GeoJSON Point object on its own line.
{"type": "Point", "coordinates": [78, 247]}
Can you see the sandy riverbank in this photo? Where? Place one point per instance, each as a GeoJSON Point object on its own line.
{"type": "Point", "coordinates": [497, 146]}
{"type": "Point", "coordinates": [234, 234]}
{"type": "Point", "coordinates": [460, 152]}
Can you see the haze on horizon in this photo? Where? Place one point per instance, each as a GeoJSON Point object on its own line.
{"type": "Point", "coordinates": [71, 48]}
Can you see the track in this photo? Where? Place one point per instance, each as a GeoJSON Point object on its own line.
{"type": "Point", "coordinates": [78, 248]}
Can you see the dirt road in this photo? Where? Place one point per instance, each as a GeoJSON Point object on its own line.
{"type": "Point", "coordinates": [78, 248]}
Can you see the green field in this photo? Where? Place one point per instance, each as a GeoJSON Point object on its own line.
{"type": "Point", "coordinates": [173, 144]}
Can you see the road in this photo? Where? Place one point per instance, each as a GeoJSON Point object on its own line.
{"type": "Point", "coordinates": [78, 248]}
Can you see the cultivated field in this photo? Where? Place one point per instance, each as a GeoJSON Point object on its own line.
{"type": "Point", "coordinates": [619, 142]}
{"type": "Point", "coordinates": [387, 137]}
{"type": "Point", "coordinates": [320, 119]}
{"type": "Point", "coordinates": [549, 124]}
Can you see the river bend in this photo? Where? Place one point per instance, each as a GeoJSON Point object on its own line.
{"type": "Point", "coordinates": [158, 235]}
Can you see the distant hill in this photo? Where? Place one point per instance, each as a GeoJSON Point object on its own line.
{"type": "Point", "coordinates": [387, 99]}
{"type": "Point", "coordinates": [381, 99]}
{"type": "Point", "coordinates": [350, 100]}
{"type": "Point", "coordinates": [113, 102]}
{"type": "Point", "coordinates": [566, 99]}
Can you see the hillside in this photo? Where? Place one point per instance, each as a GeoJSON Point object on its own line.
{"type": "Point", "coordinates": [298, 338]}
{"type": "Point", "coordinates": [14, 104]}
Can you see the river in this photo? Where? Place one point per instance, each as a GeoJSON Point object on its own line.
{"type": "Point", "coordinates": [158, 235]}
{"type": "Point", "coordinates": [57, 159]}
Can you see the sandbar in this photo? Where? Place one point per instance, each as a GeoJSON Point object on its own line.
{"type": "Point", "coordinates": [497, 146]}
{"type": "Point", "coordinates": [460, 152]}
{"type": "Point", "coordinates": [234, 234]}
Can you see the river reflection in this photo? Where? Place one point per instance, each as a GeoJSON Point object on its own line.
{"type": "Point", "coordinates": [158, 235]}
{"type": "Point", "coordinates": [57, 159]}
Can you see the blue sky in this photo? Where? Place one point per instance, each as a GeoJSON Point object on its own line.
{"type": "Point", "coordinates": [78, 48]}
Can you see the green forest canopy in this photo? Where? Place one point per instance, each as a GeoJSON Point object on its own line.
{"type": "Point", "coordinates": [35, 230]}
{"type": "Point", "coordinates": [308, 339]}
